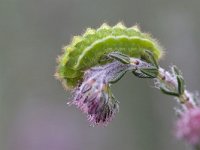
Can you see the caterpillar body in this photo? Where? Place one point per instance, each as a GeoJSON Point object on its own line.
{"type": "Point", "coordinates": [86, 51]}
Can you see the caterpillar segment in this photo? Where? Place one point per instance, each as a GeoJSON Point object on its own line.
{"type": "Point", "coordinates": [86, 51]}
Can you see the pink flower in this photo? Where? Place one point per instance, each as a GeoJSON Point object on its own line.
{"type": "Point", "coordinates": [188, 126]}
{"type": "Point", "coordinates": [94, 97]}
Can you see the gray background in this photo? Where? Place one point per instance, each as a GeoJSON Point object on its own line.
{"type": "Point", "coordinates": [33, 110]}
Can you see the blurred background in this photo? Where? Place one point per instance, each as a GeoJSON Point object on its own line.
{"type": "Point", "coordinates": [33, 110]}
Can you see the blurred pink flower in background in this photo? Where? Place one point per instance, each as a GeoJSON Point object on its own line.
{"type": "Point", "coordinates": [188, 126]}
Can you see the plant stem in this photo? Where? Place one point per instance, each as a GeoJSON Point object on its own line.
{"type": "Point", "coordinates": [170, 83]}
{"type": "Point", "coordinates": [169, 80]}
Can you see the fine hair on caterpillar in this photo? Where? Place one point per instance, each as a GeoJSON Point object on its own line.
{"type": "Point", "coordinates": [86, 51]}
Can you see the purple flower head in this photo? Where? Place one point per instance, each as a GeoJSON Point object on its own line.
{"type": "Point", "coordinates": [94, 97]}
{"type": "Point", "coordinates": [188, 126]}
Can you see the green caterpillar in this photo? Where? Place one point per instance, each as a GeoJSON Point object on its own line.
{"type": "Point", "coordinates": [86, 51]}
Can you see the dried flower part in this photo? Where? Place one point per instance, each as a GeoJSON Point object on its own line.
{"type": "Point", "coordinates": [94, 97]}
{"type": "Point", "coordinates": [188, 126]}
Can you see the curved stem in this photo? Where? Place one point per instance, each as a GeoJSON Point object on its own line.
{"type": "Point", "coordinates": [168, 79]}
{"type": "Point", "coordinates": [170, 83]}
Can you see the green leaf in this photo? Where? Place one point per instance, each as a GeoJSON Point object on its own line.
{"type": "Point", "coordinates": [166, 91]}
{"type": "Point", "coordinates": [139, 74]}
{"type": "Point", "coordinates": [181, 85]}
{"type": "Point", "coordinates": [151, 72]}
{"type": "Point", "coordinates": [120, 57]}
{"type": "Point", "coordinates": [175, 70]}
{"type": "Point", "coordinates": [118, 77]}
{"type": "Point", "coordinates": [148, 56]}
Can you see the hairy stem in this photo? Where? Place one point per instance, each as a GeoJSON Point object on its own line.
{"type": "Point", "coordinates": [170, 83]}
{"type": "Point", "coordinates": [168, 79]}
